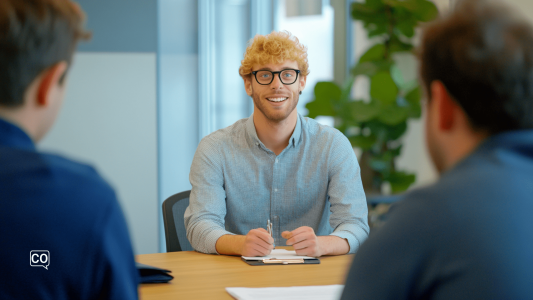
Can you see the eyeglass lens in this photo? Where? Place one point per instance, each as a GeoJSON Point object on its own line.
{"type": "Point", "coordinates": [286, 76]}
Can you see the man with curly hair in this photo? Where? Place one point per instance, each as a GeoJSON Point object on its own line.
{"type": "Point", "coordinates": [276, 165]}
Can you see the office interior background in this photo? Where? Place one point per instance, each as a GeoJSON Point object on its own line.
{"type": "Point", "coordinates": [158, 76]}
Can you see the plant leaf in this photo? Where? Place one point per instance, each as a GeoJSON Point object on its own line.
{"type": "Point", "coordinates": [425, 10]}
{"type": "Point", "coordinates": [393, 114]}
{"type": "Point", "coordinates": [319, 108]}
{"type": "Point", "coordinates": [375, 53]}
{"type": "Point", "coordinates": [377, 29]}
{"type": "Point", "coordinates": [383, 88]}
{"type": "Point", "coordinates": [326, 95]}
{"type": "Point", "coordinates": [346, 89]}
{"type": "Point", "coordinates": [413, 98]}
{"type": "Point", "coordinates": [396, 45]}
{"type": "Point", "coordinates": [396, 131]}
{"type": "Point", "coordinates": [396, 151]}
{"type": "Point", "coordinates": [397, 75]}
{"type": "Point", "coordinates": [363, 142]}
{"type": "Point", "coordinates": [406, 28]}
{"type": "Point", "coordinates": [362, 112]}
{"type": "Point", "coordinates": [400, 181]}
{"type": "Point", "coordinates": [327, 90]}
{"type": "Point", "coordinates": [366, 68]}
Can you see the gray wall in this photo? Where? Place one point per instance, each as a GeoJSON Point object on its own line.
{"type": "Point", "coordinates": [121, 25]}
{"type": "Point", "coordinates": [109, 118]}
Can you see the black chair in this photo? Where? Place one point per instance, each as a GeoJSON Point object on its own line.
{"type": "Point", "coordinates": [175, 232]}
{"type": "Point", "coordinates": [378, 217]}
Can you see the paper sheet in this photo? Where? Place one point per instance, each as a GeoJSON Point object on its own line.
{"type": "Point", "coordinates": [279, 254]}
{"type": "Point", "coordinates": [320, 292]}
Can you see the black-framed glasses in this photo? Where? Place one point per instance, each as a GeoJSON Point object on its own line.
{"type": "Point", "coordinates": [287, 76]}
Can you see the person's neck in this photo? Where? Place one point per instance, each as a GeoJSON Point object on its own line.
{"type": "Point", "coordinates": [463, 147]}
{"type": "Point", "coordinates": [275, 135]}
{"type": "Point", "coordinates": [19, 117]}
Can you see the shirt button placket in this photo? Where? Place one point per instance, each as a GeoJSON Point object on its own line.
{"type": "Point", "coordinates": [275, 200]}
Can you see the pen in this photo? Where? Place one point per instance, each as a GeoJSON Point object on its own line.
{"type": "Point", "coordinates": [269, 230]}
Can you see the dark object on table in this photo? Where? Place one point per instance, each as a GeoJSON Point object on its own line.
{"type": "Point", "coordinates": [150, 274]}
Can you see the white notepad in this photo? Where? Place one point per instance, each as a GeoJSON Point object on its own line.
{"type": "Point", "coordinates": [317, 292]}
{"type": "Point", "coordinates": [279, 254]}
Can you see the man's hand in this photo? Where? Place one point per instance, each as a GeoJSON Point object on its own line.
{"type": "Point", "coordinates": [304, 241]}
{"type": "Point", "coordinates": [257, 243]}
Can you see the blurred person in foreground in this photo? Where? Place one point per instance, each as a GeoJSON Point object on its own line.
{"type": "Point", "coordinates": [469, 235]}
{"type": "Point", "coordinates": [62, 231]}
{"type": "Point", "coordinates": [276, 165]}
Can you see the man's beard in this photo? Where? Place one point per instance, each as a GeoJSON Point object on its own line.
{"type": "Point", "coordinates": [275, 116]}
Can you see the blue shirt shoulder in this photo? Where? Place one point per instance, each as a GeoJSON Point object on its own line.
{"type": "Point", "coordinates": [50, 203]}
{"type": "Point", "coordinates": [465, 237]}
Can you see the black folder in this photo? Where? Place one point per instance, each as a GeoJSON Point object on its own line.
{"type": "Point", "coordinates": [150, 274]}
{"type": "Point", "coordinates": [281, 262]}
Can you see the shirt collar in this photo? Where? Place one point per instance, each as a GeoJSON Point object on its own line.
{"type": "Point", "coordinates": [521, 140]}
{"type": "Point", "coordinates": [13, 136]}
{"type": "Point", "coordinates": [293, 141]}
{"type": "Point", "coordinates": [295, 138]}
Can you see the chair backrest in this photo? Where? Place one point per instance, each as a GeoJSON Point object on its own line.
{"type": "Point", "coordinates": [175, 232]}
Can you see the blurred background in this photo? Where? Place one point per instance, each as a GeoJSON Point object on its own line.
{"type": "Point", "coordinates": [160, 75]}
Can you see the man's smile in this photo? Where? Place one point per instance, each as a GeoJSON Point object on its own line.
{"type": "Point", "coordinates": [277, 99]}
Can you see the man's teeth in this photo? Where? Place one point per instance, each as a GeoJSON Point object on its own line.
{"type": "Point", "coordinates": [277, 99]}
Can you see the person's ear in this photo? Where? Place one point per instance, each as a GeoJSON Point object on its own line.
{"type": "Point", "coordinates": [303, 80]}
{"type": "Point", "coordinates": [248, 85]}
{"type": "Point", "coordinates": [51, 79]}
{"type": "Point", "coordinates": [445, 104]}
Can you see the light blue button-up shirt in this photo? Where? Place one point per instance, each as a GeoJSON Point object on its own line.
{"type": "Point", "coordinates": [238, 184]}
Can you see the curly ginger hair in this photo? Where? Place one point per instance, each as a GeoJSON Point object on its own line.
{"type": "Point", "coordinates": [275, 47]}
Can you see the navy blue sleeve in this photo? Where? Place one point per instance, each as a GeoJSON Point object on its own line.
{"type": "Point", "coordinates": [117, 265]}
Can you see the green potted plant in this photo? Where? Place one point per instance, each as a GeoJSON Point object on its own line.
{"type": "Point", "coordinates": [376, 126]}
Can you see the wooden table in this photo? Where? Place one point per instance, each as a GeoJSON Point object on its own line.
{"type": "Point", "coordinates": [205, 276]}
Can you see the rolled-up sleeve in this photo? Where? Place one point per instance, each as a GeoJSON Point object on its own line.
{"type": "Point", "coordinates": [204, 218]}
{"type": "Point", "coordinates": [349, 211]}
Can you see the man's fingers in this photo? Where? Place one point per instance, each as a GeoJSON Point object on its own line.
{"type": "Point", "coordinates": [296, 238]}
{"type": "Point", "coordinates": [302, 229]}
{"type": "Point", "coordinates": [303, 244]}
{"type": "Point", "coordinates": [256, 250]}
{"type": "Point", "coordinates": [261, 243]}
{"type": "Point", "coordinates": [262, 234]}
{"type": "Point", "coordinates": [260, 250]}
{"type": "Point", "coordinates": [286, 234]}
{"type": "Point", "coordinates": [255, 246]}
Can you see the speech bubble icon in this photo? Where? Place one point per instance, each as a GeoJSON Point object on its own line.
{"type": "Point", "coordinates": [40, 258]}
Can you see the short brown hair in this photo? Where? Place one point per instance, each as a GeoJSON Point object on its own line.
{"type": "Point", "coordinates": [35, 35]}
{"type": "Point", "coordinates": [275, 47]}
{"type": "Point", "coordinates": [483, 53]}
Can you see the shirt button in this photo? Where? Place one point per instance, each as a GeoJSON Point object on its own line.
{"type": "Point", "coordinates": [276, 160]}
{"type": "Point", "coordinates": [275, 190]}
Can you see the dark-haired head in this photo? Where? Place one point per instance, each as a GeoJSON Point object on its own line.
{"type": "Point", "coordinates": [34, 35]}
{"type": "Point", "coordinates": [483, 54]}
